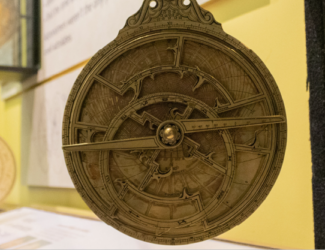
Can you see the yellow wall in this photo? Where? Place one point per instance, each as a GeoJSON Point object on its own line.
{"type": "Point", "coordinates": [274, 29]}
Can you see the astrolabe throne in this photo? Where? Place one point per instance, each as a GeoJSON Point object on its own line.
{"type": "Point", "coordinates": [175, 132]}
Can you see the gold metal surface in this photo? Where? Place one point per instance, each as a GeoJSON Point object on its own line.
{"type": "Point", "coordinates": [175, 132]}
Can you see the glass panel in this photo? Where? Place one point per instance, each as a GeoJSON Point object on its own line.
{"type": "Point", "coordinates": [17, 33]}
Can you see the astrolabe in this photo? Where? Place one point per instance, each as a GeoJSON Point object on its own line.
{"type": "Point", "coordinates": [7, 170]}
{"type": "Point", "coordinates": [175, 132]}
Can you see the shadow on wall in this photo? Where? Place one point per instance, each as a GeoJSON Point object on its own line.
{"type": "Point", "coordinates": [225, 10]}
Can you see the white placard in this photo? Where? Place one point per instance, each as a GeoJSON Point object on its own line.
{"type": "Point", "coordinates": [43, 108]}
{"type": "Point", "coordinates": [74, 30]}
{"type": "Point", "coordinates": [33, 229]}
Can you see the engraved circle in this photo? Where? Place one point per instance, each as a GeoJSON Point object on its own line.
{"type": "Point", "coordinates": [118, 186]}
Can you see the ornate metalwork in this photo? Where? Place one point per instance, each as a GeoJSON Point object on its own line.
{"type": "Point", "coordinates": [175, 132]}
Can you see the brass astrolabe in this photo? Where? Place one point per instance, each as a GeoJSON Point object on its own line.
{"type": "Point", "coordinates": [175, 132]}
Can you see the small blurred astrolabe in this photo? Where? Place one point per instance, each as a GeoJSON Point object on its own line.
{"type": "Point", "coordinates": [7, 170]}
{"type": "Point", "coordinates": [9, 16]}
{"type": "Point", "coordinates": [175, 132]}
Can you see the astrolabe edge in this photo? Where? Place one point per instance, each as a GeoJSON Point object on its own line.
{"type": "Point", "coordinates": [175, 132]}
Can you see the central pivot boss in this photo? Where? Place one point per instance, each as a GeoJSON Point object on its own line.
{"type": "Point", "coordinates": [170, 134]}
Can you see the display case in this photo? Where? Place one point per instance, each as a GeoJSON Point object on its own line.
{"type": "Point", "coordinates": [19, 39]}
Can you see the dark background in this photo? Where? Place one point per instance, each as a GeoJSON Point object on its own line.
{"type": "Point", "coordinates": [315, 24]}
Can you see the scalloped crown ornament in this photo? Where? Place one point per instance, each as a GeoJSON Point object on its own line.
{"type": "Point", "coordinates": [175, 132]}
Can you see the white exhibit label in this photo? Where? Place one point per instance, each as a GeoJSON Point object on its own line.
{"type": "Point", "coordinates": [34, 229]}
{"type": "Point", "coordinates": [74, 30]}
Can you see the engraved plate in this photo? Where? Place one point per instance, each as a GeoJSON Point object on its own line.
{"type": "Point", "coordinates": [174, 135]}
